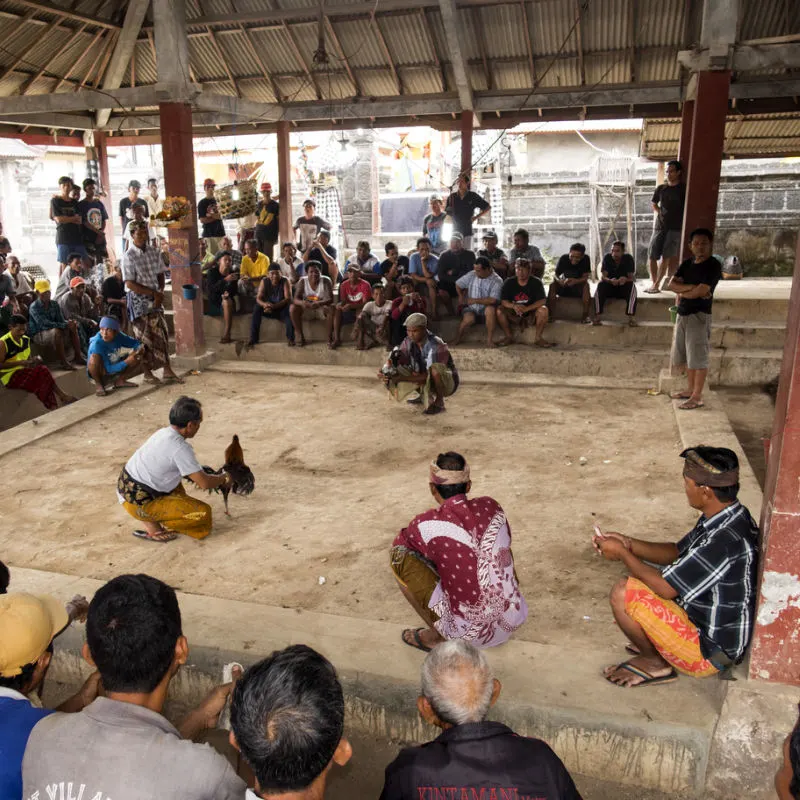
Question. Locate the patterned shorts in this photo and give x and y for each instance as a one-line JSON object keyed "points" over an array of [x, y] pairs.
{"points": [[669, 628]]}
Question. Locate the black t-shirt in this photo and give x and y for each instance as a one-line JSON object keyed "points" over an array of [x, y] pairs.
{"points": [[625, 267], [113, 288], [453, 265], [670, 201], [402, 266], [93, 212], [211, 230], [527, 295], [267, 225], [494, 258], [462, 209], [125, 204], [66, 232], [566, 269], [708, 272], [316, 255]]}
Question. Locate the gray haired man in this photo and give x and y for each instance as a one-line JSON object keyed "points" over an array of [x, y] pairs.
{"points": [[458, 689]]}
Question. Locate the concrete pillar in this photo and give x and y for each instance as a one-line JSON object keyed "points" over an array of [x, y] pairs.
{"points": [[101, 149], [466, 141], [179, 181], [685, 144], [705, 155], [775, 654], [285, 183]]}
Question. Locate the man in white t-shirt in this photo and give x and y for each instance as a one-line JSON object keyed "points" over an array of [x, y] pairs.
{"points": [[150, 487]]}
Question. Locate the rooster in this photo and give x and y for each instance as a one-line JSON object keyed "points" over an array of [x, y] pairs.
{"points": [[242, 479]]}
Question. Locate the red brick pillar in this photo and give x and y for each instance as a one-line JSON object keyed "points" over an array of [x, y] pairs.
{"points": [[775, 654], [179, 181], [101, 148], [285, 220], [685, 144], [466, 141], [705, 155]]}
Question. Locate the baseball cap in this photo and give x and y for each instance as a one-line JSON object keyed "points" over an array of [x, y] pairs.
{"points": [[416, 321], [209, 182], [490, 235], [42, 286], [77, 281], [457, 235], [28, 624], [266, 187]]}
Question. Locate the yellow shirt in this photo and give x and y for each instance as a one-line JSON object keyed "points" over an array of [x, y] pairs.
{"points": [[254, 269]]}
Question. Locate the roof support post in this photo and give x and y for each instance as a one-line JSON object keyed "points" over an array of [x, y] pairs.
{"points": [[685, 143], [171, 40], [466, 143], [285, 183], [454, 36]]}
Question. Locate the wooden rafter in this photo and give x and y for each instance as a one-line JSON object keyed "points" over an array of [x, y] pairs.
{"points": [[338, 45], [526, 18], [300, 60], [260, 61], [223, 60], [478, 25], [387, 54], [65, 13], [75, 64], [109, 37], [632, 40], [133, 66], [152, 44], [579, 40], [426, 28], [24, 54], [17, 27], [61, 50], [101, 71]]}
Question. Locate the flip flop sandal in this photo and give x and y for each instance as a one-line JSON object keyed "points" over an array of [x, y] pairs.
{"points": [[648, 679], [153, 381], [126, 385], [160, 538], [417, 644], [691, 405], [679, 396], [172, 379]]}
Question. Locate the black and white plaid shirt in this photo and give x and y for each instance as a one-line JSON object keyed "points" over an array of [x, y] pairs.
{"points": [[715, 578]]}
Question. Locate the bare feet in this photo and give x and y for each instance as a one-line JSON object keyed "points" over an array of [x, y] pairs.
{"points": [[543, 343], [152, 379], [682, 395], [490, 343], [67, 366], [100, 391], [505, 341], [122, 384], [597, 321]]}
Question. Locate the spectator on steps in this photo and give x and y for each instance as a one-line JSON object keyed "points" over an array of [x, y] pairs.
{"points": [[524, 249], [423, 269], [458, 689], [113, 355], [479, 293], [522, 303], [354, 294], [266, 230], [461, 206], [8, 300], [139, 217], [78, 308], [65, 213], [694, 283], [208, 213], [787, 779], [94, 215], [454, 564], [126, 205], [322, 251], [309, 226], [273, 301], [497, 258], [19, 370], [28, 626], [120, 746], [24, 293], [254, 267], [366, 262], [112, 292], [75, 269], [668, 203], [291, 265], [572, 280], [392, 268], [372, 325], [48, 328], [688, 606], [287, 719], [453, 263], [409, 302], [313, 298], [5, 245], [433, 223], [223, 295], [617, 279], [227, 247]]}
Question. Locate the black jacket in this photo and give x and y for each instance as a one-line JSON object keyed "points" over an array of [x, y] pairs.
{"points": [[479, 755]]}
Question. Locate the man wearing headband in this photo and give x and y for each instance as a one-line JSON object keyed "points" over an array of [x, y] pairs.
{"points": [[422, 366], [455, 567], [695, 613], [113, 355]]}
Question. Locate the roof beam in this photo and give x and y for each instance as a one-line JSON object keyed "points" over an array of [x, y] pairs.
{"points": [[745, 58], [529, 40], [53, 8], [70, 122], [386, 54], [300, 60], [454, 35], [487, 67], [426, 28], [579, 41], [19, 59], [338, 45], [260, 61], [64, 47], [236, 107], [76, 64], [224, 61]]}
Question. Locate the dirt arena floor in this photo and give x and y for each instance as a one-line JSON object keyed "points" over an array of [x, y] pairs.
{"points": [[340, 468]]}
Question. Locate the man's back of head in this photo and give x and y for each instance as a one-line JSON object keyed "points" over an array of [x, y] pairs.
{"points": [[132, 629], [457, 683], [287, 716]]}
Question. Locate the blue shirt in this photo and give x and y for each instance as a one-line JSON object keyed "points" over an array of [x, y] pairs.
{"points": [[114, 352], [44, 319], [415, 265], [17, 718]]}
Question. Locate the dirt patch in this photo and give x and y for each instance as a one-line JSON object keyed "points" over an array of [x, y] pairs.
{"points": [[340, 468]]}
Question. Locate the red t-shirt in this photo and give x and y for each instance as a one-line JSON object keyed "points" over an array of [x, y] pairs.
{"points": [[359, 294]]}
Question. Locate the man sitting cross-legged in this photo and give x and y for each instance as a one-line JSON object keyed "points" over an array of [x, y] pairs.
{"points": [[522, 302], [458, 689], [696, 613], [372, 324], [272, 301], [313, 298], [422, 270], [48, 328], [354, 294], [572, 280], [112, 354], [287, 720], [409, 302], [150, 485], [120, 746], [421, 365], [617, 279], [222, 281], [454, 564], [479, 294]]}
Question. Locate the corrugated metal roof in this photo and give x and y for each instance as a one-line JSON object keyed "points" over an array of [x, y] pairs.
{"points": [[408, 39]]}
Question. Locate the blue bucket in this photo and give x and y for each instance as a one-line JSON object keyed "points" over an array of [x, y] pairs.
{"points": [[190, 291]]}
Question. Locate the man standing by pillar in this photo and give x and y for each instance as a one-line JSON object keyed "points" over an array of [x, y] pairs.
{"points": [[268, 212], [208, 212], [668, 202]]}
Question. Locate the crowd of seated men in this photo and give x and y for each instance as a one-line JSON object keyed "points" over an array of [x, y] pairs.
{"points": [[488, 287]]}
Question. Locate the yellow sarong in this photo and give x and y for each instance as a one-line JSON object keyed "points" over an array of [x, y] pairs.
{"points": [[176, 512]]}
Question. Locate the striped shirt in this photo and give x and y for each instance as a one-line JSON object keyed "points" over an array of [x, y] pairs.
{"points": [[715, 578]]}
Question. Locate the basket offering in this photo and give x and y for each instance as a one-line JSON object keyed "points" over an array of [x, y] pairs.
{"points": [[236, 200], [174, 212]]}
